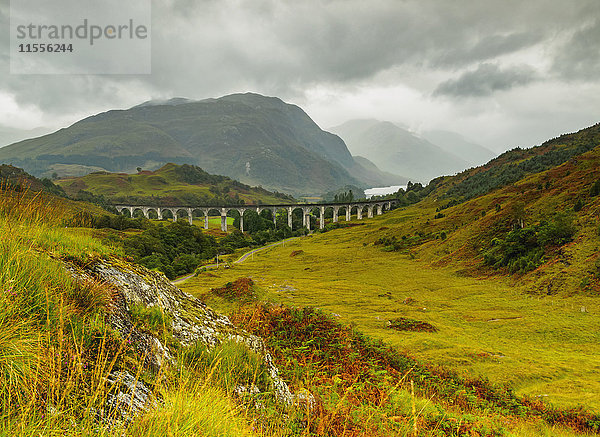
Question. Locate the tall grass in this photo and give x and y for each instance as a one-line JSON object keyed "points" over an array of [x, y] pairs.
{"points": [[197, 406], [57, 351], [46, 375]]}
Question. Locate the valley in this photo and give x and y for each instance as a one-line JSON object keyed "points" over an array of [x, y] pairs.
{"points": [[470, 307], [542, 346]]}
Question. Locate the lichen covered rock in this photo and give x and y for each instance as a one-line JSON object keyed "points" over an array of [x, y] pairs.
{"points": [[190, 321]]}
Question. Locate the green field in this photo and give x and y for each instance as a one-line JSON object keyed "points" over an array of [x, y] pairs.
{"points": [[544, 347]]}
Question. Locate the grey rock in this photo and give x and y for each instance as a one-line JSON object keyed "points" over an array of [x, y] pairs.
{"points": [[191, 321]]}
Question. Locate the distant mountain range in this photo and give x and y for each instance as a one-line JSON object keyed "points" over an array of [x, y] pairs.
{"points": [[255, 139], [396, 150]]}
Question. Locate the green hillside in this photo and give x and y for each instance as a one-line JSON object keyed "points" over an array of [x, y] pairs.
{"points": [[252, 138], [17, 179], [518, 163], [519, 214], [170, 185]]}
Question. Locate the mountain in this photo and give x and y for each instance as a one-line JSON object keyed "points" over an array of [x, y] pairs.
{"points": [[166, 102], [398, 151], [517, 164], [170, 185], [252, 138], [460, 146]]}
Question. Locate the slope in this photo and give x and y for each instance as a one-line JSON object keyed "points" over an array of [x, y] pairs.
{"points": [[370, 174], [10, 135], [451, 142], [518, 163], [17, 179], [70, 339]]}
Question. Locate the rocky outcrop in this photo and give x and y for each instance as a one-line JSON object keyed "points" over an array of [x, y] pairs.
{"points": [[190, 321]]}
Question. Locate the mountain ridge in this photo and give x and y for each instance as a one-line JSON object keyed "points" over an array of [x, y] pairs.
{"points": [[249, 137], [475, 154]]}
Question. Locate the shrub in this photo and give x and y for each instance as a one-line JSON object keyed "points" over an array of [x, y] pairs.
{"points": [[406, 324], [241, 289], [522, 250], [174, 249], [595, 189]]}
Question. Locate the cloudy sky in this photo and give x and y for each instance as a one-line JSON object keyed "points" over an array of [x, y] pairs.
{"points": [[503, 73]]}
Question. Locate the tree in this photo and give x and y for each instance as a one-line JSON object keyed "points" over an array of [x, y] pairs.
{"points": [[139, 169], [517, 214], [412, 197], [578, 205], [558, 231], [344, 197]]}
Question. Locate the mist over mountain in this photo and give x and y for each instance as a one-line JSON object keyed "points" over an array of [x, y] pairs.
{"points": [[255, 139], [9, 135], [396, 150], [475, 154], [368, 172]]}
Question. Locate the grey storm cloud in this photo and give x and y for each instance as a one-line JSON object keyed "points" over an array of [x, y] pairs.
{"points": [[291, 43], [209, 47], [439, 49], [485, 80], [579, 57], [488, 47]]}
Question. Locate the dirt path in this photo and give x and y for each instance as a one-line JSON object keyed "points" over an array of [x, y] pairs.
{"points": [[241, 259]]}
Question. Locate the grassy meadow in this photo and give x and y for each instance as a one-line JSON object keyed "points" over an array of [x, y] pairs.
{"points": [[543, 346], [480, 332]]}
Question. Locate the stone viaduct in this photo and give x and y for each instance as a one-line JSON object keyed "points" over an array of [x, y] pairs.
{"points": [[370, 207]]}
